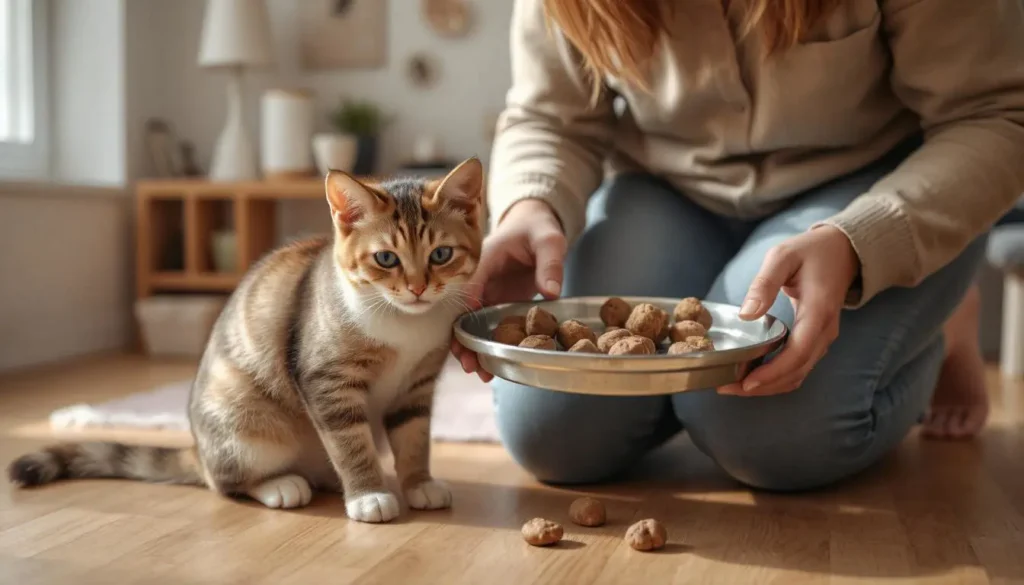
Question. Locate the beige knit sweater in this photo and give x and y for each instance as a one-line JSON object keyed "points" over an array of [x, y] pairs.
{"points": [[741, 136]]}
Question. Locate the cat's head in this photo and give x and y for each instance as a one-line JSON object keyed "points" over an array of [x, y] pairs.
{"points": [[410, 243]]}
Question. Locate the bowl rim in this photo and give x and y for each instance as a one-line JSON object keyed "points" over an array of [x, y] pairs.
{"points": [[563, 360]]}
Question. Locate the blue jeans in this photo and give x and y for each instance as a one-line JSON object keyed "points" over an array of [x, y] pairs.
{"points": [[862, 398]]}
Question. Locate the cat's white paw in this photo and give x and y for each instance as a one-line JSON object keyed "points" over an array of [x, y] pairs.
{"points": [[287, 491], [372, 507], [429, 495]]}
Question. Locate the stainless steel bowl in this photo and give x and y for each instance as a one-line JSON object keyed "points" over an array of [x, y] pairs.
{"points": [[739, 347]]}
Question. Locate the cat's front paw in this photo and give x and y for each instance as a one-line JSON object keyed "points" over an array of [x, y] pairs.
{"points": [[372, 507], [429, 495]]}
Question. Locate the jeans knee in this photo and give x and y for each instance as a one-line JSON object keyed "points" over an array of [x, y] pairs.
{"points": [[564, 438], [762, 444]]}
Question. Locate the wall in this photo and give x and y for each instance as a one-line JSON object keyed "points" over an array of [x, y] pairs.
{"points": [[65, 260], [87, 91], [459, 110]]}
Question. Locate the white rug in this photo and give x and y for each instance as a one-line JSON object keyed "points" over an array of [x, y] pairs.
{"points": [[463, 411]]}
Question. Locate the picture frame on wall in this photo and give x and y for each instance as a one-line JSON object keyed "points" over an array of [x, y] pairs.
{"points": [[343, 34]]}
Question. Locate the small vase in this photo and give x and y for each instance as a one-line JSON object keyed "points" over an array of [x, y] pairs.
{"points": [[335, 151], [366, 160]]}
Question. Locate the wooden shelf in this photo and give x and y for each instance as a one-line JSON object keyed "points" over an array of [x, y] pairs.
{"points": [[178, 220], [186, 282]]}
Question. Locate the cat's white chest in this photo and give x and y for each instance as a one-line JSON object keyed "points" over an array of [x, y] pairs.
{"points": [[411, 339]]}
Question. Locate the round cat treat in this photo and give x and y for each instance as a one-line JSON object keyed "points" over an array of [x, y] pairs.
{"points": [[509, 334], [615, 311], [700, 342], [608, 338], [541, 322], [683, 329], [587, 512], [571, 331], [539, 342], [665, 329], [646, 535], [691, 309], [646, 320], [633, 345], [691, 345], [517, 320], [541, 532], [584, 346]]}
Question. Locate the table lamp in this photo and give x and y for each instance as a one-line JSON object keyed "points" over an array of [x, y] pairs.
{"points": [[236, 35]]}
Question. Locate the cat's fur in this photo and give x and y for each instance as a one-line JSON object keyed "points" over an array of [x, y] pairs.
{"points": [[318, 352]]}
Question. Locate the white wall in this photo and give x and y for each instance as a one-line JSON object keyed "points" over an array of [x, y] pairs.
{"points": [[65, 262], [87, 91], [475, 73]]}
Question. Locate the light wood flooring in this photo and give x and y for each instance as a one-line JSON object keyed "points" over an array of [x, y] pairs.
{"points": [[930, 513]]}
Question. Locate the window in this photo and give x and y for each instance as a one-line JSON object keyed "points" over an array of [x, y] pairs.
{"points": [[23, 99]]}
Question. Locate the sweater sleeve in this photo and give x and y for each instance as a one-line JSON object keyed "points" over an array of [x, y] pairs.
{"points": [[551, 139], [960, 67]]}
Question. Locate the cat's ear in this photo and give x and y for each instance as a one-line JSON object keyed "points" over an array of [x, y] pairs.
{"points": [[350, 200], [462, 189]]}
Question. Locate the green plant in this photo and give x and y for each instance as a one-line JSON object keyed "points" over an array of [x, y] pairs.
{"points": [[360, 118]]}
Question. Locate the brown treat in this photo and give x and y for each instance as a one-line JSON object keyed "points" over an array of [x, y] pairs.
{"points": [[683, 329], [633, 345], [646, 535], [615, 311], [663, 334], [541, 532], [509, 334], [584, 346], [571, 331], [517, 320], [587, 512], [691, 309], [701, 343], [539, 342], [645, 320], [608, 339], [691, 345], [611, 328], [540, 322]]}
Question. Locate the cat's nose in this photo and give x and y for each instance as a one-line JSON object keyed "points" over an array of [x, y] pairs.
{"points": [[417, 289]]}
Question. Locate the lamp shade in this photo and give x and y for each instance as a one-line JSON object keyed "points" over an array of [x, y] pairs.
{"points": [[236, 33]]}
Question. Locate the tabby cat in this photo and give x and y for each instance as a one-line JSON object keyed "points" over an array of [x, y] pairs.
{"points": [[326, 347]]}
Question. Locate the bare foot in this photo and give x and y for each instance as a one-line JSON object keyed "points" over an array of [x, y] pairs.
{"points": [[959, 406]]}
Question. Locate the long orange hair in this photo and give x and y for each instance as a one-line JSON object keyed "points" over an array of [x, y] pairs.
{"points": [[619, 37]]}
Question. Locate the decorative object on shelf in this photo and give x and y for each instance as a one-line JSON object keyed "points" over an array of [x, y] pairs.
{"points": [[343, 34], [425, 149], [236, 35], [189, 166], [448, 18], [422, 70], [337, 151], [286, 122], [160, 144], [365, 121], [225, 251]]}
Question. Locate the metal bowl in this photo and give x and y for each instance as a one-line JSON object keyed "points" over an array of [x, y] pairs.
{"points": [[739, 347]]}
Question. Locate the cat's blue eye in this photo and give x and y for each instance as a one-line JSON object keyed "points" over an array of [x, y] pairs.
{"points": [[441, 255], [386, 259]]}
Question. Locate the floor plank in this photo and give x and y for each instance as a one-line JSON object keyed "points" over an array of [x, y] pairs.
{"points": [[931, 513]]}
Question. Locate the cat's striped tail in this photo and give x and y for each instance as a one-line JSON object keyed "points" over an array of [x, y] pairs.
{"points": [[105, 460]]}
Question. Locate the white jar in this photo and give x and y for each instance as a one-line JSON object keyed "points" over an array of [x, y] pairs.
{"points": [[286, 131]]}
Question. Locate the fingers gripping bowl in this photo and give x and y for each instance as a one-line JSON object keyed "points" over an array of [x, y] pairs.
{"points": [[738, 347]]}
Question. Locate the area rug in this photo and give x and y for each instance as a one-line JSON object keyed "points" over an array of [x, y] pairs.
{"points": [[463, 410]]}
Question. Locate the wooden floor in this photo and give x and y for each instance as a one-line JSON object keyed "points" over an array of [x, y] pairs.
{"points": [[931, 513]]}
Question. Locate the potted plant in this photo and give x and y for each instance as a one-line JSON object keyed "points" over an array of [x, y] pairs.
{"points": [[353, 145]]}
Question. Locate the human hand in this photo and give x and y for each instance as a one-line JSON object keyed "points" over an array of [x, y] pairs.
{"points": [[523, 256], [815, 270]]}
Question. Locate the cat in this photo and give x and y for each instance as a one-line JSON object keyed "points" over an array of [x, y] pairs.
{"points": [[326, 348]]}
